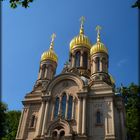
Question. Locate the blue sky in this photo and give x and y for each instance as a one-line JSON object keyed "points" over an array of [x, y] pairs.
{"points": [[26, 33]]}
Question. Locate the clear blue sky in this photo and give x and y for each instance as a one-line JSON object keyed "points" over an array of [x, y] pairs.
{"points": [[26, 34]]}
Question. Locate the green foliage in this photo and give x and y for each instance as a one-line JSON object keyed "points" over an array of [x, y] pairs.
{"points": [[23, 3], [131, 96], [3, 109], [12, 121], [9, 121], [137, 4]]}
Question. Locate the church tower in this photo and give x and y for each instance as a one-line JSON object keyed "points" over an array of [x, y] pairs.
{"points": [[80, 52], [77, 104], [99, 61]]}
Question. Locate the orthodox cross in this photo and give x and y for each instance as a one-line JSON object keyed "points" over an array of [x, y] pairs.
{"points": [[82, 19], [98, 28], [52, 41]]}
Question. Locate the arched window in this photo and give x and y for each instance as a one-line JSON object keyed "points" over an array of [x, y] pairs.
{"points": [[77, 59], [70, 107], [63, 105], [85, 60], [43, 71], [54, 134], [98, 63], [98, 117], [32, 124], [62, 133], [56, 107]]}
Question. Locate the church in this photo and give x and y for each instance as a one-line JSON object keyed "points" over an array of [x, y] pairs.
{"points": [[78, 104]]}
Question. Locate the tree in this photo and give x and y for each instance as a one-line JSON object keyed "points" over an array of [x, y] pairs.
{"points": [[136, 4], [23, 3], [131, 96], [12, 121], [3, 109]]}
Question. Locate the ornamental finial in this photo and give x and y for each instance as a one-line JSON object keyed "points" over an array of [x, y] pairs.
{"points": [[98, 28], [52, 41], [82, 20]]}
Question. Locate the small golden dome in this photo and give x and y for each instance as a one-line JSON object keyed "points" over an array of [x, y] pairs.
{"points": [[99, 46], [81, 39], [50, 54]]}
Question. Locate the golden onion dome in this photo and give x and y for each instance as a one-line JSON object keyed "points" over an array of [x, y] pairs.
{"points": [[50, 54], [99, 46], [81, 39]]}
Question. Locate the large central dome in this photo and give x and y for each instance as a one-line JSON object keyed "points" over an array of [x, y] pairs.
{"points": [[80, 40]]}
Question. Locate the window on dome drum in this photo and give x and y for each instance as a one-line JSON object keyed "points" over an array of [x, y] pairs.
{"points": [[85, 60], [98, 117], [70, 107], [32, 124], [56, 107], [63, 105], [98, 63], [43, 71], [77, 59]]}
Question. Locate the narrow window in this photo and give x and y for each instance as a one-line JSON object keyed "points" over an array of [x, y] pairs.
{"points": [[43, 72], [77, 59], [63, 105], [62, 133], [54, 134], [98, 117], [56, 107], [98, 64], [32, 124], [70, 107], [85, 60]]}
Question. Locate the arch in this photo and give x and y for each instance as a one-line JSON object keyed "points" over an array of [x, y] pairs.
{"points": [[75, 78], [85, 59], [77, 59], [58, 126]]}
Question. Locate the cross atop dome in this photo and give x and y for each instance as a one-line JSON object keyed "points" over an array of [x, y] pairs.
{"points": [[53, 36], [98, 28], [82, 20]]}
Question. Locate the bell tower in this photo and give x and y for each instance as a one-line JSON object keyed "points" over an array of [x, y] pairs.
{"points": [[80, 52]]}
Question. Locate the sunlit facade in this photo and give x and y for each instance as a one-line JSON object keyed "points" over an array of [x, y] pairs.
{"points": [[77, 104]]}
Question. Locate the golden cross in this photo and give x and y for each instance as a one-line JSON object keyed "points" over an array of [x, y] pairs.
{"points": [[98, 28], [82, 19], [53, 37]]}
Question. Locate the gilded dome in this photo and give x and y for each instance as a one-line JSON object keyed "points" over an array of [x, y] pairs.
{"points": [[99, 46], [81, 39], [50, 54]]}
